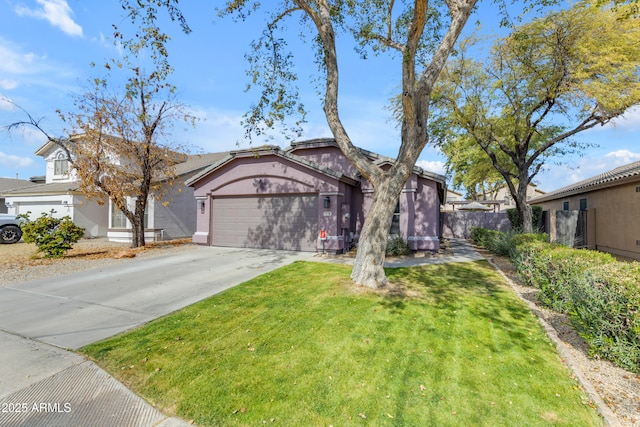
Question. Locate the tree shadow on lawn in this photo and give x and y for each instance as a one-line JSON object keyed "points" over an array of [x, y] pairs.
{"points": [[454, 287]]}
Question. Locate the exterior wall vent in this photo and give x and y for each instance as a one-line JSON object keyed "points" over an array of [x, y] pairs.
{"points": [[638, 189], [637, 242]]}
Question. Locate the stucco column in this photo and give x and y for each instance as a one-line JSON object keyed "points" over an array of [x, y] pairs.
{"points": [[203, 220], [328, 220]]}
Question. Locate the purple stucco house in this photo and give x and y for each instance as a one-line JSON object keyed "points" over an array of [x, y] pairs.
{"points": [[276, 198]]}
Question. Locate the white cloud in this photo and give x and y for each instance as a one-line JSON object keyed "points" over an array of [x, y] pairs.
{"points": [[26, 136], [622, 157], [556, 177], [217, 131], [20, 69], [56, 12], [16, 62], [435, 166], [628, 122], [11, 160], [8, 84]]}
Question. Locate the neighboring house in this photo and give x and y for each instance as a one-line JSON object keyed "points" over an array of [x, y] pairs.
{"points": [[503, 195], [289, 198], [608, 203], [499, 201], [451, 197], [8, 184], [173, 217]]}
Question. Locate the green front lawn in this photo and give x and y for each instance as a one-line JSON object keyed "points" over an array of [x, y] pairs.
{"points": [[448, 345]]}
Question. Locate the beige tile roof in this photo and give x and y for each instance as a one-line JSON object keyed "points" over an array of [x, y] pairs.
{"points": [[606, 179]]}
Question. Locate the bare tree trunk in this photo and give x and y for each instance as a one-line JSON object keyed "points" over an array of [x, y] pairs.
{"points": [[137, 231], [137, 225], [523, 207], [368, 268]]}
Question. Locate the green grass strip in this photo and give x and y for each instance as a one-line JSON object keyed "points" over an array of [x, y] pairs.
{"points": [[448, 345]]}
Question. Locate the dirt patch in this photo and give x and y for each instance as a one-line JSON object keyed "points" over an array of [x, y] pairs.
{"points": [[390, 290], [20, 262]]}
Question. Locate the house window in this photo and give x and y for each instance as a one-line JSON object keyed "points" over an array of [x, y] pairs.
{"points": [[583, 204], [395, 221], [61, 165], [118, 220], [146, 217], [566, 206]]}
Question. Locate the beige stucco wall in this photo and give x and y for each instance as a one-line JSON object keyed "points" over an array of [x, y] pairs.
{"points": [[504, 195], [617, 217]]}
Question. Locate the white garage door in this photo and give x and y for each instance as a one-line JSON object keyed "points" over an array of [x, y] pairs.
{"points": [[273, 222], [38, 208]]}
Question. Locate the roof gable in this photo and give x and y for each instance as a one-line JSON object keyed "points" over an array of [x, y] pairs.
{"points": [[375, 158], [271, 151]]}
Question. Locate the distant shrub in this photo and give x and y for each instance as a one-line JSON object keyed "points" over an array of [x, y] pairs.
{"points": [[600, 295], [397, 246], [474, 234], [500, 242], [479, 236], [522, 238], [53, 236]]}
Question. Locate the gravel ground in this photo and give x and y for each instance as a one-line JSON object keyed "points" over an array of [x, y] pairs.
{"points": [[20, 262], [618, 388]]}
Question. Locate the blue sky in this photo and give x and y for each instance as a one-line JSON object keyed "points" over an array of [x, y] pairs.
{"points": [[46, 47]]}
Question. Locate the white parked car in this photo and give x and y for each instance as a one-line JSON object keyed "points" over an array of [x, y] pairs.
{"points": [[10, 228]]}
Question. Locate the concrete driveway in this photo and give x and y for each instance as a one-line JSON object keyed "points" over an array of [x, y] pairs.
{"points": [[80, 308]]}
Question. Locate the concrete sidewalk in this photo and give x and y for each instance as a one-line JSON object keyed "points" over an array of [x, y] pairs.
{"points": [[462, 252], [42, 384], [48, 386]]}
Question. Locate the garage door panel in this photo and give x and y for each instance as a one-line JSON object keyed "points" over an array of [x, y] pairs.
{"points": [[276, 222]]}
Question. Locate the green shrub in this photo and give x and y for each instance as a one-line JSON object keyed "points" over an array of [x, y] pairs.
{"points": [[522, 238], [53, 236], [500, 242], [479, 236], [554, 269], [605, 312], [601, 296], [397, 246]]}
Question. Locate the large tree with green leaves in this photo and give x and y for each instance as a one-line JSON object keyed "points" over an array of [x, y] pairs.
{"points": [[470, 169], [419, 32], [549, 80], [419, 36]]}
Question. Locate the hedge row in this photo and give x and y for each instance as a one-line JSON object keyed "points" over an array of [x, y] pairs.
{"points": [[600, 295]]}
